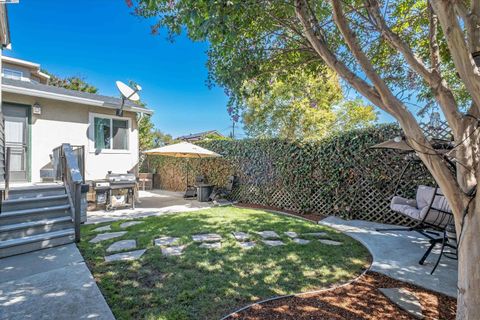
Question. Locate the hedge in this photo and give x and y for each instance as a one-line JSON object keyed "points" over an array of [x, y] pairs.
{"points": [[339, 175]]}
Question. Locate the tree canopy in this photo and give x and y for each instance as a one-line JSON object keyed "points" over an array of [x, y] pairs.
{"points": [[302, 105], [257, 40], [73, 83]]}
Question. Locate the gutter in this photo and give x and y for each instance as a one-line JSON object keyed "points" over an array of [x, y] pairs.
{"points": [[68, 98]]}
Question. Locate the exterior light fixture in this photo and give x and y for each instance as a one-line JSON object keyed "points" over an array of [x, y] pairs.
{"points": [[36, 108]]}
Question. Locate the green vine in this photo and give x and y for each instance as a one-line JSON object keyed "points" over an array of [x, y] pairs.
{"points": [[304, 176]]}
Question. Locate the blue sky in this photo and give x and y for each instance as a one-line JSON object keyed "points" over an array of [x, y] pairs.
{"points": [[101, 41]]}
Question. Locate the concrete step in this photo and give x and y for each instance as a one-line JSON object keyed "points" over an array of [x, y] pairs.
{"points": [[36, 242], [33, 214], [29, 203], [30, 228], [36, 191]]}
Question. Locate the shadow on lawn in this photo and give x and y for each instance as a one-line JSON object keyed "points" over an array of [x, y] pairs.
{"points": [[207, 284]]}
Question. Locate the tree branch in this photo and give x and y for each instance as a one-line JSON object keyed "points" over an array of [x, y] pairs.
{"points": [[433, 77], [321, 48], [472, 25], [433, 39], [409, 124], [461, 56]]}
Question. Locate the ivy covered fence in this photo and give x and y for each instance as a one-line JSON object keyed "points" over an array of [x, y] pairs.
{"points": [[339, 175]]}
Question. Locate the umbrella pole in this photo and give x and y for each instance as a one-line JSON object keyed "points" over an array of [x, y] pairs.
{"points": [[186, 171]]}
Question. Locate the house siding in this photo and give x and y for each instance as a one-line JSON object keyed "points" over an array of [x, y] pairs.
{"points": [[65, 122], [27, 73]]}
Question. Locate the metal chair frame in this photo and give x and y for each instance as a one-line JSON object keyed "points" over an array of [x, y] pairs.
{"points": [[439, 225]]}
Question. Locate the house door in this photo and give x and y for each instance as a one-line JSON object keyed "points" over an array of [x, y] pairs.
{"points": [[16, 137]]}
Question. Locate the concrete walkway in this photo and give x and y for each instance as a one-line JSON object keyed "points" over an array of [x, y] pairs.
{"points": [[50, 284], [396, 254], [152, 203]]}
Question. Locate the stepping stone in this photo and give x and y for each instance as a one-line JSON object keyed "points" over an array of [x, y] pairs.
{"points": [[122, 245], [241, 236], [330, 242], [405, 300], [173, 250], [301, 241], [104, 228], [107, 236], [315, 234], [125, 256], [165, 241], [291, 234], [206, 237], [273, 243], [268, 234], [247, 245], [211, 245], [129, 224]]}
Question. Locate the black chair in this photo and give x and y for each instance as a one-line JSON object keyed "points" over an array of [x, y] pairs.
{"points": [[433, 216], [221, 193]]}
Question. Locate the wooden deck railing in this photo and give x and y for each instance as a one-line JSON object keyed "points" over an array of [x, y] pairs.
{"points": [[69, 166]]}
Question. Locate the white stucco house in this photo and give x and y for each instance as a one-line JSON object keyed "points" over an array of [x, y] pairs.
{"points": [[39, 117]]}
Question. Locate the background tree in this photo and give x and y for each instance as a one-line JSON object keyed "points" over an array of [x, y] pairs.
{"points": [[146, 133], [302, 105], [73, 83], [391, 52], [161, 139], [149, 138]]}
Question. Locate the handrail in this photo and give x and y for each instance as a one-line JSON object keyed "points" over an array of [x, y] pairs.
{"points": [[66, 164], [8, 152]]}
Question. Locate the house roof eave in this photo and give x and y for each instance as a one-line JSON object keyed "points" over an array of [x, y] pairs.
{"points": [[69, 98]]}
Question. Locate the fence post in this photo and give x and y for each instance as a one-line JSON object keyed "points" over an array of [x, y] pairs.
{"points": [[78, 208]]}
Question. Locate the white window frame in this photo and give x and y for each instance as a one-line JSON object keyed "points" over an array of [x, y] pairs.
{"points": [[19, 77], [91, 133]]}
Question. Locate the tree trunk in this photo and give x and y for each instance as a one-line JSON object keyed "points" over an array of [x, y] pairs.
{"points": [[468, 301]]}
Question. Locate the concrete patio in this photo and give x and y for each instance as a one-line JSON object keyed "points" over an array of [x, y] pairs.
{"points": [[50, 284], [396, 254], [151, 203]]}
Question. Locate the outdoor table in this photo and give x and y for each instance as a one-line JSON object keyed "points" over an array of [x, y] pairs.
{"points": [[203, 191]]}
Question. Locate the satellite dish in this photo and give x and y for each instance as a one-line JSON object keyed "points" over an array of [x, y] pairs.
{"points": [[127, 93]]}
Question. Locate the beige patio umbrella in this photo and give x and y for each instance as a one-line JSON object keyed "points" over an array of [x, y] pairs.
{"points": [[183, 150]]}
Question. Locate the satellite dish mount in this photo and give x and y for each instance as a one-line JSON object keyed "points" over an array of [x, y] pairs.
{"points": [[127, 93]]}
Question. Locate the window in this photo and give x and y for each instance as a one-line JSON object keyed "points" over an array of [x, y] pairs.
{"points": [[12, 74], [110, 133]]}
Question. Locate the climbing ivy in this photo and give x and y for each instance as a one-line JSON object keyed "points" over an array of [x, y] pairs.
{"points": [[304, 176]]}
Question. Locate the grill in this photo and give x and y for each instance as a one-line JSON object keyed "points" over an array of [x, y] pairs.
{"points": [[121, 179], [117, 190]]}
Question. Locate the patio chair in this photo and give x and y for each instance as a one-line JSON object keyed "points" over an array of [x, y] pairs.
{"points": [[432, 214], [191, 191], [220, 194]]}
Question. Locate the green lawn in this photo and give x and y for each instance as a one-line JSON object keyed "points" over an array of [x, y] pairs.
{"points": [[207, 284]]}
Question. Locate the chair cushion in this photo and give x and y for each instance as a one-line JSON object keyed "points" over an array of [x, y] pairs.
{"points": [[436, 217], [407, 210], [424, 196], [402, 200]]}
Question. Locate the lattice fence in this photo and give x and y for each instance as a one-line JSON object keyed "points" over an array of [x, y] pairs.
{"points": [[339, 176]]}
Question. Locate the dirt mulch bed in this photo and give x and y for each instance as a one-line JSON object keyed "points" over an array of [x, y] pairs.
{"points": [[315, 217], [359, 300]]}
